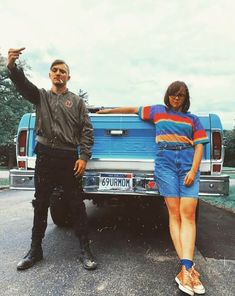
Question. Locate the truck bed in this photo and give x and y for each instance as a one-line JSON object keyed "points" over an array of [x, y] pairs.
{"points": [[123, 157]]}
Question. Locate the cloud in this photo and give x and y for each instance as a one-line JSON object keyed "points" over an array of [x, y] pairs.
{"points": [[128, 52]]}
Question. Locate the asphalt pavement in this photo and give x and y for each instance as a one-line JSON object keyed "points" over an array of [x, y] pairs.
{"points": [[132, 246], [216, 232]]}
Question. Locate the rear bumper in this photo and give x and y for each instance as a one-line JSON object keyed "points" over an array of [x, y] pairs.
{"points": [[21, 179], [214, 185], [143, 184]]}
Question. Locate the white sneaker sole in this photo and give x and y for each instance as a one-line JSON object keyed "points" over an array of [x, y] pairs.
{"points": [[199, 291], [184, 289], [195, 290]]}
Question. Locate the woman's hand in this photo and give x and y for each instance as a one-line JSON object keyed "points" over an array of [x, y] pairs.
{"points": [[189, 178], [191, 175]]}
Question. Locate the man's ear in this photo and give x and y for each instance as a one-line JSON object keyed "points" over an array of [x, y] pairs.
{"points": [[69, 77]]}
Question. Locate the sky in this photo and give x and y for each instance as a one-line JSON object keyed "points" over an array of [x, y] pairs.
{"points": [[126, 53]]}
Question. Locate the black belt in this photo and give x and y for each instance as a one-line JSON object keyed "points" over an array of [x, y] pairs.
{"points": [[177, 147], [54, 152]]}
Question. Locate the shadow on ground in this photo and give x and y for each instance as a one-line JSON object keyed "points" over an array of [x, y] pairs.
{"points": [[216, 232]]}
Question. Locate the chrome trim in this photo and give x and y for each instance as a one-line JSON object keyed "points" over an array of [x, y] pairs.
{"points": [[31, 162], [22, 188], [131, 164], [112, 114], [121, 165]]}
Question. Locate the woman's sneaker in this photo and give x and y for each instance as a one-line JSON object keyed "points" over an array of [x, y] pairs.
{"points": [[184, 280], [197, 284]]}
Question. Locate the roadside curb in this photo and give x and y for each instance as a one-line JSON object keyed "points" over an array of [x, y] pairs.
{"points": [[4, 187], [4, 179]]}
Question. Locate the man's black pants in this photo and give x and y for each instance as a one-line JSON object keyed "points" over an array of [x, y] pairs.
{"points": [[54, 167]]}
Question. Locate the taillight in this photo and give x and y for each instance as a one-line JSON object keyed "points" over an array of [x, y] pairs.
{"points": [[216, 168], [21, 164], [22, 143], [216, 145]]}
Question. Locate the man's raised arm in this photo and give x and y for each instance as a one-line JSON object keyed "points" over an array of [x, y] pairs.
{"points": [[26, 88]]}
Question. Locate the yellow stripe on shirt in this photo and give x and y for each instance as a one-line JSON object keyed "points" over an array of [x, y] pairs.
{"points": [[173, 138]]}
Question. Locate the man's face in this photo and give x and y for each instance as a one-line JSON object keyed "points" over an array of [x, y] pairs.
{"points": [[59, 75]]}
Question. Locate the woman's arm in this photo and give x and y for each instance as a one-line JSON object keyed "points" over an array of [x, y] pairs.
{"points": [[190, 177], [121, 110]]}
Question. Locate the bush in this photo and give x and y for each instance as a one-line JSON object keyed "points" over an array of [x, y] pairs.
{"points": [[8, 156]]}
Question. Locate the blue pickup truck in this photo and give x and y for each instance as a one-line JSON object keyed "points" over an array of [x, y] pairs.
{"points": [[122, 160]]}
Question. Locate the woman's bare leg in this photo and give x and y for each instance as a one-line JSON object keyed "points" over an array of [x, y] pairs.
{"points": [[173, 206], [188, 226]]}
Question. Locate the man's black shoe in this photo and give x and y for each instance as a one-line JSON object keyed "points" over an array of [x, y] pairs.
{"points": [[87, 259], [34, 255]]}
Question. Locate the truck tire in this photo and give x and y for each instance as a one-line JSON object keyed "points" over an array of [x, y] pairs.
{"points": [[59, 209]]}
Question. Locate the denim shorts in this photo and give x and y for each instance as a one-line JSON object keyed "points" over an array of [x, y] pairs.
{"points": [[171, 167]]}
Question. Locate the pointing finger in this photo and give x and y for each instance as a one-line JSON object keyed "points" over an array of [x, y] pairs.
{"points": [[15, 50]]}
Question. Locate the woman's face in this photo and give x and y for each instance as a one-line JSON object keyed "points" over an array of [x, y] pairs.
{"points": [[177, 100]]}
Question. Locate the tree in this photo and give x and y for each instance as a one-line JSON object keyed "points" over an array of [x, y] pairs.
{"points": [[12, 107], [84, 95], [229, 159]]}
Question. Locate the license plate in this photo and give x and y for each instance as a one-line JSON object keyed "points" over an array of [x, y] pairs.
{"points": [[116, 181]]}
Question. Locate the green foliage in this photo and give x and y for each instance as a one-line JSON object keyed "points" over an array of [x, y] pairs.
{"points": [[12, 106], [229, 159], [4, 182], [84, 95]]}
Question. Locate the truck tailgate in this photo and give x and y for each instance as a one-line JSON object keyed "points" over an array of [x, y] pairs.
{"points": [[123, 137]]}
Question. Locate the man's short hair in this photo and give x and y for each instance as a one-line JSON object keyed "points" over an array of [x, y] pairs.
{"points": [[58, 62]]}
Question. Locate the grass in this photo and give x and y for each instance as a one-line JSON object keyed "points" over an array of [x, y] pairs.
{"points": [[226, 202], [4, 182]]}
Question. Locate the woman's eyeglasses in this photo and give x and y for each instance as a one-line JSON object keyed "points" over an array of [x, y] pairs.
{"points": [[180, 96]]}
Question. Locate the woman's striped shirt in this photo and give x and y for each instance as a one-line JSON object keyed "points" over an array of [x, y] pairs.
{"points": [[174, 128]]}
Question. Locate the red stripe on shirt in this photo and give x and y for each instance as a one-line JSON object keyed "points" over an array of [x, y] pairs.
{"points": [[146, 112], [172, 117], [201, 134]]}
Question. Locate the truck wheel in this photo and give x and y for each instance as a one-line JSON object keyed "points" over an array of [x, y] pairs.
{"points": [[59, 209]]}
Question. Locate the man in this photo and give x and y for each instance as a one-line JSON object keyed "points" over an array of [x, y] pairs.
{"points": [[62, 123]]}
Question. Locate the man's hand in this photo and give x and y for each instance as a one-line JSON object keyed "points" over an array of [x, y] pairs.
{"points": [[13, 55], [79, 167]]}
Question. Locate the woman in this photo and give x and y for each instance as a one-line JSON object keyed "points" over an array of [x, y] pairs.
{"points": [[180, 138]]}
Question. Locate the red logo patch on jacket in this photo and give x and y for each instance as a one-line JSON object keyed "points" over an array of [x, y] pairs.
{"points": [[68, 104]]}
